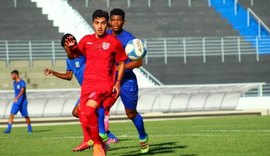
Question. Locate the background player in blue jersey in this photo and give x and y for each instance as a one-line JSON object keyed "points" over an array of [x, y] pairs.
{"points": [[75, 65], [20, 101], [129, 85]]}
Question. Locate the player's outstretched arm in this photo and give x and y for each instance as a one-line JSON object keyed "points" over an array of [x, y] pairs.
{"points": [[66, 76], [121, 71], [134, 64]]}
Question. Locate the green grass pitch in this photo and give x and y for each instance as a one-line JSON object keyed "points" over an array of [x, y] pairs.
{"points": [[217, 136]]}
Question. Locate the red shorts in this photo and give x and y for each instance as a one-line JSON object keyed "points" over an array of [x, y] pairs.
{"points": [[109, 102], [103, 95]]}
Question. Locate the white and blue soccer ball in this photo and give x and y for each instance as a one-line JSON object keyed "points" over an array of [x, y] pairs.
{"points": [[135, 49]]}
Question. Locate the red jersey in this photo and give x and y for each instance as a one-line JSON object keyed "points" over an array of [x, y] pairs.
{"points": [[101, 56]]}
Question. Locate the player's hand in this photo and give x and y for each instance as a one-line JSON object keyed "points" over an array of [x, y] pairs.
{"points": [[15, 100], [116, 89], [70, 42], [48, 72]]}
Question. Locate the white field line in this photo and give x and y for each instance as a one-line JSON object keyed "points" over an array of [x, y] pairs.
{"points": [[238, 131], [124, 136], [111, 121], [192, 134], [42, 124]]}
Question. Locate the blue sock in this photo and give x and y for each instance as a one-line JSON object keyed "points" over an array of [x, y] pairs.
{"points": [[111, 135], [29, 128], [101, 115], [138, 122], [9, 127], [8, 130]]}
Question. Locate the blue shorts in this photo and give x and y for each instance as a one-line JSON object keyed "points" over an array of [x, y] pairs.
{"points": [[22, 107], [129, 91]]}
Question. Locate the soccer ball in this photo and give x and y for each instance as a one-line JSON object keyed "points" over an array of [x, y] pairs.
{"points": [[135, 49]]}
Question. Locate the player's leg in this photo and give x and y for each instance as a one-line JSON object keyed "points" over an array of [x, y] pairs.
{"points": [[10, 122], [137, 120], [107, 104], [87, 142], [92, 116], [101, 124], [112, 139], [28, 122], [14, 110], [24, 113], [104, 120], [130, 102]]}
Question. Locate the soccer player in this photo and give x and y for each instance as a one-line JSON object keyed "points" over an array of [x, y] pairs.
{"points": [[129, 85], [19, 103], [102, 51], [75, 65]]}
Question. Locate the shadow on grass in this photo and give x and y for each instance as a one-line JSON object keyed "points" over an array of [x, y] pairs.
{"points": [[42, 131], [124, 140], [160, 148]]}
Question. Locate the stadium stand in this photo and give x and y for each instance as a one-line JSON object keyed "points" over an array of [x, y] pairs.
{"points": [[159, 20], [260, 7], [145, 21], [24, 22], [34, 75], [214, 71]]}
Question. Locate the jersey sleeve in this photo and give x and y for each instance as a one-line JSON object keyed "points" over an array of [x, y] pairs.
{"points": [[68, 66], [23, 84], [128, 38], [120, 52], [131, 36], [81, 46]]}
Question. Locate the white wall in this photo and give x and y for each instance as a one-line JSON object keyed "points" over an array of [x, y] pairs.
{"points": [[254, 103]]}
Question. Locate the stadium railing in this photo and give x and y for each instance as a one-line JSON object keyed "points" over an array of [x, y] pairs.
{"points": [[250, 13], [263, 90], [164, 48], [164, 99], [149, 2], [151, 77]]}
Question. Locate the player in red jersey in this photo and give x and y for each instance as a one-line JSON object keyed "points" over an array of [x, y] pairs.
{"points": [[102, 51]]}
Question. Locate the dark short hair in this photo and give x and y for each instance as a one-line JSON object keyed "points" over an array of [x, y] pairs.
{"points": [[64, 37], [119, 12], [100, 13], [15, 72]]}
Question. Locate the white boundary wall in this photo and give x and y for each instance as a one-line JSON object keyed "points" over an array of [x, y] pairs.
{"points": [[254, 103], [166, 99]]}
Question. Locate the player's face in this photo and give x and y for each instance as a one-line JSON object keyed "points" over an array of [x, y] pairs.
{"points": [[100, 25], [14, 76], [117, 23]]}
